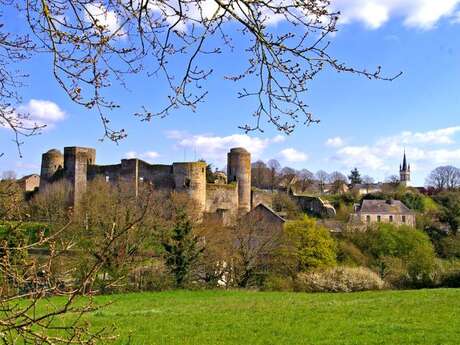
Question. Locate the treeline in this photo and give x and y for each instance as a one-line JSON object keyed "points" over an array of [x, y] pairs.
{"points": [[158, 240]]}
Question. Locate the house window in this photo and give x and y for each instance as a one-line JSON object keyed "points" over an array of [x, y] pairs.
{"points": [[368, 219], [379, 219], [391, 219], [403, 219]]}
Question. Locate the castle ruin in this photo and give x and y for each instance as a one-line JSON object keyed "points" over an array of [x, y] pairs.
{"points": [[78, 166]]}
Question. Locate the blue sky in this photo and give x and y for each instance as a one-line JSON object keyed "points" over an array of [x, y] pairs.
{"points": [[364, 123]]}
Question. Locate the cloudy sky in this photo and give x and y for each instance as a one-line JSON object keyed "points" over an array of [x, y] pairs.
{"points": [[364, 124]]}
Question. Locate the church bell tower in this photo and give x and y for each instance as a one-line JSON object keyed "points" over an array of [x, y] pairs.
{"points": [[404, 171]]}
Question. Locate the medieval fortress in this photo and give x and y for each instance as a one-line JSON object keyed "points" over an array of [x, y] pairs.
{"points": [[227, 198]]}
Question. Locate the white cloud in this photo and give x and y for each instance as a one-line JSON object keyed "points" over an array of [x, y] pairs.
{"points": [[215, 148], [145, 155], [335, 142], [415, 13], [426, 149], [107, 19], [41, 113], [293, 156], [440, 136]]}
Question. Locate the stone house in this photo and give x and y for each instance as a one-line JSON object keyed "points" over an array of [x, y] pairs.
{"points": [[29, 183], [383, 211]]}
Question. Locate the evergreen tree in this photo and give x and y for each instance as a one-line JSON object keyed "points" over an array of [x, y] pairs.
{"points": [[181, 250], [355, 176]]}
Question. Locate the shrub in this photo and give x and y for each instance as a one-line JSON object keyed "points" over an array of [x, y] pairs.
{"points": [[278, 283], [350, 255], [309, 245], [412, 246], [450, 246], [154, 277], [339, 279]]}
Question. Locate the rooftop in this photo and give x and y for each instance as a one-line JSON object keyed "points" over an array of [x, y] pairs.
{"points": [[384, 207]]}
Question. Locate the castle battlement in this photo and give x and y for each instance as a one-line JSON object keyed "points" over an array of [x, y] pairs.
{"points": [[78, 166]]}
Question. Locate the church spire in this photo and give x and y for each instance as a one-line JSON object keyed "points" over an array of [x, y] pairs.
{"points": [[404, 165], [404, 171]]}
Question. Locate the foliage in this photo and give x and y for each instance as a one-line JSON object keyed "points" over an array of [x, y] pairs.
{"points": [[283, 202], [450, 246], [253, 247], [339, 279], [444, 178], [355, 176], [308, 245], [386, 240], [348, 254], [450, 208], [181, 248]]}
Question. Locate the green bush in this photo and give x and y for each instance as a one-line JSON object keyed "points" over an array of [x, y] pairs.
{"points": [[450, 247], [413, 247], [278, 283], [309, 245], [349, 254], [339, 279], [31, 231]]}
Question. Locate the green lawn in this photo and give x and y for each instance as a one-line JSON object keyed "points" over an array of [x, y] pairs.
{"points": [[245, 317]]}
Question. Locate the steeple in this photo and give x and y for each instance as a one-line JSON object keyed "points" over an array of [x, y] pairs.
{"points": [[404, 171], [404, 165]]}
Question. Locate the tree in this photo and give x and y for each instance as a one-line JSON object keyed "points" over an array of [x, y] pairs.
{"points": [[309, 245], [260, 174], [367, 180], [322, 178], [25, 316], [450, 208], [254, 243], [444, 177], [355, 177], [181, 248], [9, 175], [96, 44], [337, 176], [390, 246], [275, 168]]}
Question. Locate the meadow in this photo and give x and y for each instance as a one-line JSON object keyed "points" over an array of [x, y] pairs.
{"points": [[248, 317]]}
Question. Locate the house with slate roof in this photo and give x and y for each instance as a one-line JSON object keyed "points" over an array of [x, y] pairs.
{"points": [[384, 211]]}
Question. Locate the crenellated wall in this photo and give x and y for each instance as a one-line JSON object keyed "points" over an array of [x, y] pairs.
{"points": [[228, 200]]}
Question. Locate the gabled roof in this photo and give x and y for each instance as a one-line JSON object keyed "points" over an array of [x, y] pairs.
{"points": [[384, 207], [267, 209], [28, 176]]}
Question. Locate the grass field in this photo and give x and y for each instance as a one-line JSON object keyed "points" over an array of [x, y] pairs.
{"points": [[244, 317]]}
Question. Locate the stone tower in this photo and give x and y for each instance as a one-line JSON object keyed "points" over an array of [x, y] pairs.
{"points": [[239, 171], [76, 161], [190, 177], [404, 172], [52, 161]]}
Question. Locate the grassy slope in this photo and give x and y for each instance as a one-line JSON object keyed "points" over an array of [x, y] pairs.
{"points": [[239, 317]]}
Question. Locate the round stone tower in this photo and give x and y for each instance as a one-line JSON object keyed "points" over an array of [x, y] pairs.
{"points": [[52, 161], [239, 171], [190, 177]]}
